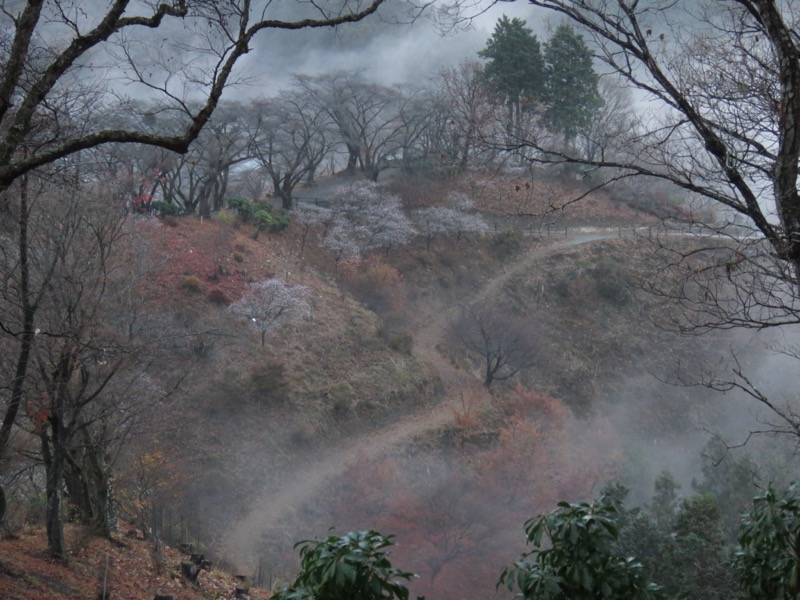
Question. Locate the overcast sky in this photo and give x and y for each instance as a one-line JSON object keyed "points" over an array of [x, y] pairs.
{"points": [[383, 52]]}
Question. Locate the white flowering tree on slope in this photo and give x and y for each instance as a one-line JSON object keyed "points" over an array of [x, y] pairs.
{"points": [[456, 215], [363, 217], [271, 303]]}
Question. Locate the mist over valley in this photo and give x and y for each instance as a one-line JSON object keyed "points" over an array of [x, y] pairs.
{"points": [[387, 299]]}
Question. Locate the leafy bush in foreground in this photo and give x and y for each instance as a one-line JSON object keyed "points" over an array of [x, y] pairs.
{"points": [[353, 566]]}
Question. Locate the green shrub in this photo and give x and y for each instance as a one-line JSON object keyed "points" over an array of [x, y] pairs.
{"points": [[165, 209], [353, 566], [263, 221], [272, 219], [243, 207], [767, 559], [282, 220], [225, 217], [268, 219], [575, 555]]}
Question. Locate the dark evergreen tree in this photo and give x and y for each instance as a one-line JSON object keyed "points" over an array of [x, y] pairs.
{"points": [[665, 500], [515, 67], [733, 480], [698, 559], [571, 96], [680, 544]]}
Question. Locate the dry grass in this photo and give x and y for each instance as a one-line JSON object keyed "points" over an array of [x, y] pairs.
{"points": [[123, 566]]}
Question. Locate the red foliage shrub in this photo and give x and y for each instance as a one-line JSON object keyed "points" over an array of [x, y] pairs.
{"points": [[378, 285]]}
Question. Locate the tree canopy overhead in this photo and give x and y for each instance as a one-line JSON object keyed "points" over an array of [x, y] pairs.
{"points": [[140, 46], [719, 117]]}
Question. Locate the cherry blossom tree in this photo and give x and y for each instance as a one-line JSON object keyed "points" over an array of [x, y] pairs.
{"points": [[309, 216], [455, 216], [271, 303], [365, 218]]}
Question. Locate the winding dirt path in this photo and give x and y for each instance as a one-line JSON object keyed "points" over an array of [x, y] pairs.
{"points": [[312, 479]]}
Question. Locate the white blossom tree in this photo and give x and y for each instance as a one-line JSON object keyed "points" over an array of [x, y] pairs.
{"points": [[271, 303], [457, 216], [309, 216], [365, 218]]}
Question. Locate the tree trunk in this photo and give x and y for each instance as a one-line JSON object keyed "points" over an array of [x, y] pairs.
{"points": [[88, 483], [352, 159], [312, 172], [104, 518], [54, 467], [26, 338], [221, 189], [77, 486]]}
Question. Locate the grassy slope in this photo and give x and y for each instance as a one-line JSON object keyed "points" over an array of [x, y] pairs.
{"points": [[349, 371]]}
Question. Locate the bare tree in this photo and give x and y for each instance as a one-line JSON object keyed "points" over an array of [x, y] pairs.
{"points": [[505, 343], [84, 396], [471, 113], [451, 522], [221, 146], [271, 303], [134, 43], [365, 114], [615, 117], [289, 139]]}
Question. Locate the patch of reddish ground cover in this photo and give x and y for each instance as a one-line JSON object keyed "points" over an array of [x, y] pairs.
{"points": [[123, 567], [193, 256]]}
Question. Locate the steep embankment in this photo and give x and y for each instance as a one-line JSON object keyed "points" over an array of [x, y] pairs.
{"points": [[430, 326]]}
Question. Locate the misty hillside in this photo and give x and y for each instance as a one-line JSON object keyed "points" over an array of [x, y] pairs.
{"points": [[365, 299], [372, 411]]}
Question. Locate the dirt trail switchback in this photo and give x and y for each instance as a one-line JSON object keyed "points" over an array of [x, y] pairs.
{"points": [[312, 478]]}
